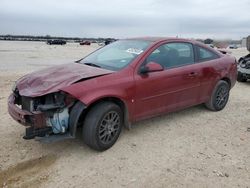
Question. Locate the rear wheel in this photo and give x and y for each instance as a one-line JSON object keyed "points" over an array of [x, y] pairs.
{"points": [[241, 77], [219, 97], [102, 126]]}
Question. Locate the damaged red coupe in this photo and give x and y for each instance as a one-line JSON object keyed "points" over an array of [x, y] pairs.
{"points": [[121, 83]]}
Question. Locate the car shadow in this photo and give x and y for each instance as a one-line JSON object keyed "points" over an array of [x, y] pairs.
{"points": [[245, 83], [138, 129], [191, 111]]}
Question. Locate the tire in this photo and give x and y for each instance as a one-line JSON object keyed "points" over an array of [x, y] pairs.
{"points": [[99, 131], [241, 78], [219, 97]]}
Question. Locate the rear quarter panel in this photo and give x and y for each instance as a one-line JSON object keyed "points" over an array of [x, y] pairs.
{"points": [[229, 64], [227, 68], [212, 71]]}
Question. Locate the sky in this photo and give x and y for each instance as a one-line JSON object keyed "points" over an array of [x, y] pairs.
{"points": [[217, 19]]}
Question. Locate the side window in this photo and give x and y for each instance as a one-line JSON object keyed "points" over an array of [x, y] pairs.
{"points": [[205, 55], [172, 55]]}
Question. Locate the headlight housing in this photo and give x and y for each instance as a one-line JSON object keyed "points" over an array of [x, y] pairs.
{"points": [[247, 64], [242, 65]]}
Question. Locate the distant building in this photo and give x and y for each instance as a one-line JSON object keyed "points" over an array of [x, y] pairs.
{"points": [[244, 42]]}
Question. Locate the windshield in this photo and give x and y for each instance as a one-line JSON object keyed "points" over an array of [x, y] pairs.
{"points": [[117, 55]]}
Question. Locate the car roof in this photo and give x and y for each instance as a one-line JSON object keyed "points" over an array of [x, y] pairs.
{"points": [[159, 39], [165, 39]]}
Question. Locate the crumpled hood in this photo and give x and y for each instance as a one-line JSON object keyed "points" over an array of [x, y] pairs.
{"points": [[52, 79]]}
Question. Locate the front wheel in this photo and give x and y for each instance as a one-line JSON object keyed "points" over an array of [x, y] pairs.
{"points": [[102, 126], [219, 97]]}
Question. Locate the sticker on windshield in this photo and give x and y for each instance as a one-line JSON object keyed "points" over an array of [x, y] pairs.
{"points": [[134, 51]]}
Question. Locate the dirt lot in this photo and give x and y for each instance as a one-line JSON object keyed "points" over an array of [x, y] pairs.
{"points": [[191, 148]]}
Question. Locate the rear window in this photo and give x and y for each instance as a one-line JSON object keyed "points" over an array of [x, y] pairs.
{"points": [[205, 54]]}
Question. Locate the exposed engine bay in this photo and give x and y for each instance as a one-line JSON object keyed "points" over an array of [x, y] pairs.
{"points": [[53, 107], [59, 121]]}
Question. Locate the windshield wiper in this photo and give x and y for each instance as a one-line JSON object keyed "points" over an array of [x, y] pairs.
{"points": [[92, 64]]}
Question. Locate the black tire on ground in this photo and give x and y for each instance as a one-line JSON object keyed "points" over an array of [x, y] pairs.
{"points": [[241, 77], [219, 97], [102, 126]]}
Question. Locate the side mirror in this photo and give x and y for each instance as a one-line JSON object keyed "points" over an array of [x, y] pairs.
{"points": [[151, 67]]}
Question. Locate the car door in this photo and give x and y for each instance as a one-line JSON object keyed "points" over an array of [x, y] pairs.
{"points": [[173, 88]]}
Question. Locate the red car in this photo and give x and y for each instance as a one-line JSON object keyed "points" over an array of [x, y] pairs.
{"points": [[85, 42], [123, 82]]}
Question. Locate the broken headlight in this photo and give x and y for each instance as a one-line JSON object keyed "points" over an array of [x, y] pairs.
{"points": [[245, 64]]}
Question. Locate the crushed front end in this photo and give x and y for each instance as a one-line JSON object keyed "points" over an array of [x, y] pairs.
{"points": [[244, 68], [43, 115]]}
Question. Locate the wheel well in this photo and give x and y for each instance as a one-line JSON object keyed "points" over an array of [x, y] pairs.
{"points": [[115, 100], [227, 80]]}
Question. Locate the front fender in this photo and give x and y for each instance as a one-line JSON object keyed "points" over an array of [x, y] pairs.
{"points": [[90, 97], [119, 85]]}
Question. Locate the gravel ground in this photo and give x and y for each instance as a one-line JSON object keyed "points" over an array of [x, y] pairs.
{"points": [[190, 148]]}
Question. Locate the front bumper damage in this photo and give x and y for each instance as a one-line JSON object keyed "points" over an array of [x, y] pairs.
{"points": [[244, 71], [244, 66], [43, 123], [35, 122]]}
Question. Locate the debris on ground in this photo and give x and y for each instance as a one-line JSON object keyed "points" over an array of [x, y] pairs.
{"points": [[220, 174]]}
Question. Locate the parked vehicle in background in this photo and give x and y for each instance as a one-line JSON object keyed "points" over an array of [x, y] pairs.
{"points": [[56, 42], [121, 83], [108, 41], [244, 65], [86, 42], [232, 46], [101, 43]]}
